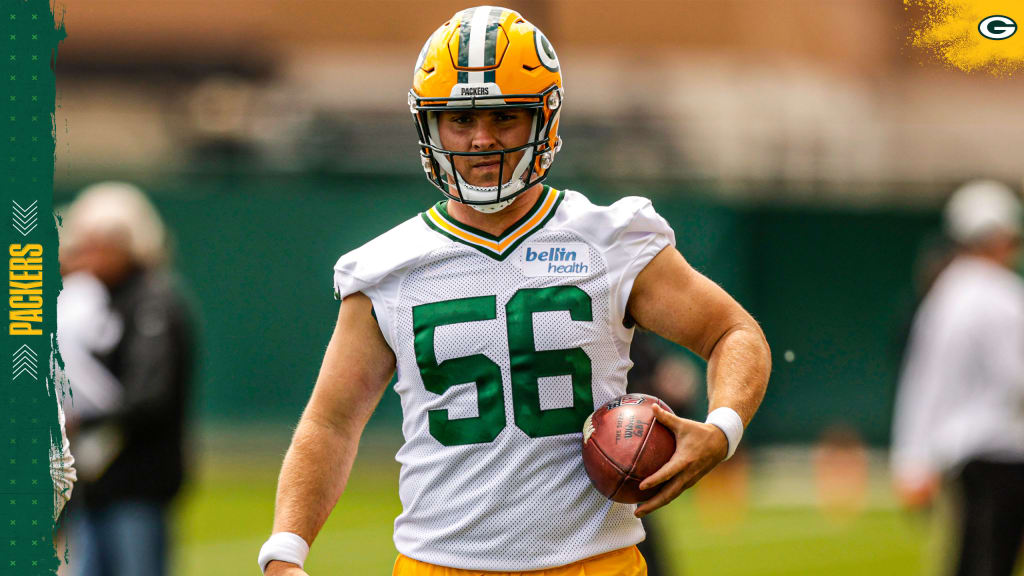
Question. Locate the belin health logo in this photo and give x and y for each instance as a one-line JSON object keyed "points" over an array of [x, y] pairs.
{"points": [[997, 27], [562, 259]]}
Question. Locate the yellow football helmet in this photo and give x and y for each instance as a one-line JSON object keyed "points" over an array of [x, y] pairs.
{"points": [[487, 57]]}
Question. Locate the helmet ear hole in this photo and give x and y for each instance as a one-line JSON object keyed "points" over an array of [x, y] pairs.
{"points": [[554, 100]]}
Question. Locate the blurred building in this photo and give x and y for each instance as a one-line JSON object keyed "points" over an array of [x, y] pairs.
{"points": [[826, 98]]}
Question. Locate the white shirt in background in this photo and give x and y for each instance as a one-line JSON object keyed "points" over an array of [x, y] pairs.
{"points": [[961, 392]]}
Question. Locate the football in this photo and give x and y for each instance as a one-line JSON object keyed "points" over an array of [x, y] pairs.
{"points": [[623, 444]]}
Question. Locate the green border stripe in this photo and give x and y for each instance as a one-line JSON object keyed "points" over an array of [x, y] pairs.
{"points": [[28, 420]]}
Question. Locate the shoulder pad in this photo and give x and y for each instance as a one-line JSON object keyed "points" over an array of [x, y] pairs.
{"points": [[606, 224], [390, 252]]}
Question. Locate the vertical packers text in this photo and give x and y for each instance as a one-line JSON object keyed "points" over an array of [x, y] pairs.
{"points": [[25, 297]]}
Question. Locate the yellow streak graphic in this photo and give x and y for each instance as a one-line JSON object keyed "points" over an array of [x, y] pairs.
{"points": [[949, 31]]}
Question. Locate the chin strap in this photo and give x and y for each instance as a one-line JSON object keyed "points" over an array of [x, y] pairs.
{"points": [[492, 208]]}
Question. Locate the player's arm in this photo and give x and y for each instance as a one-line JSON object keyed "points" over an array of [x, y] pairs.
{"points": [[355, 372], [676, 302]]}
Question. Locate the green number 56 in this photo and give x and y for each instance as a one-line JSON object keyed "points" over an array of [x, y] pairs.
{"points": [[528, 365]]}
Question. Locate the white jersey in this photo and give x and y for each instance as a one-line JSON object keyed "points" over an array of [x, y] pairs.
{"points": [[505, 344]]}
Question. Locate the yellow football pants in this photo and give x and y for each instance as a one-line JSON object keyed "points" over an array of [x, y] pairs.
{"points": [[624, 562]]}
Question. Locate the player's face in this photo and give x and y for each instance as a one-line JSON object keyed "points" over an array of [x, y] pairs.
{"points": [[483, 130]]}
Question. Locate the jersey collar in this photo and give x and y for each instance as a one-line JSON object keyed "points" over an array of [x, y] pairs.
{"points": [[497, 247]]}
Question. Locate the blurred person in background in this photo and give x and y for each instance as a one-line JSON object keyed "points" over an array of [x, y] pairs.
{"points": [[125, 335], [959, 421]]}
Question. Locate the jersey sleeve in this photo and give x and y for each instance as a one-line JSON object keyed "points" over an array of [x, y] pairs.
{"points": [[360, 271], [366, 267], [640, 234], [353, 274], [376, 267]]}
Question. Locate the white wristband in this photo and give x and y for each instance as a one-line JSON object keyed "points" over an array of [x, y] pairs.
{"points": [[284, 546], [729, 422]]}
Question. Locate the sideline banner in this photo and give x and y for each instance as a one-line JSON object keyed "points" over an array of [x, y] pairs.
{"points": [[28, 420]]}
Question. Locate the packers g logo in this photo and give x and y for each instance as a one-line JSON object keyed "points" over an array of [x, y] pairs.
{"points": [[544, 51], [997, 27]]}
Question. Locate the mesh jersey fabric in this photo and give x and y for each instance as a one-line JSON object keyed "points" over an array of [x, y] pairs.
{"points": [[521, 501]]}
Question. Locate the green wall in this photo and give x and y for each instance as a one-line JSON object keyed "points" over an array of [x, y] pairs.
{"points": [[832, 286]]}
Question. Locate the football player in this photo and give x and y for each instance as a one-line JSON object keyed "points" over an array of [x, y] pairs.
{"points": [[507, 310]]}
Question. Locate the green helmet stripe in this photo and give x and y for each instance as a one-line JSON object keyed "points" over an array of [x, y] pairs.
{"points": [[464, 31], [491, 41]]}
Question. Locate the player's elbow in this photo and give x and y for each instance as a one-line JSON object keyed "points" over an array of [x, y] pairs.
{"points": [[761, 341], [741, 329], [315, 423], [744, 343], [758, 344]]}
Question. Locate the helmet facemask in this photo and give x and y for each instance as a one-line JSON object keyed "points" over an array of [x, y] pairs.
{"points": [[532, 168]]}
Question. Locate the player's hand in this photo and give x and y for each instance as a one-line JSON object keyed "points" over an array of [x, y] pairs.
{"points": [[919, 492], [281, 568], [699, 448]]}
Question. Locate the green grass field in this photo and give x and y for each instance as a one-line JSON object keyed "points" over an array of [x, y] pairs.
{"points": [[774, 529]]}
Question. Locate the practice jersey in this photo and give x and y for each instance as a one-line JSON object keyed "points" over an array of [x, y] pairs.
{"points": [[504, 345]]}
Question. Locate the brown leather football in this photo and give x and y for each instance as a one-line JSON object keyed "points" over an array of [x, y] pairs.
{"points": [[623, 444]]}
